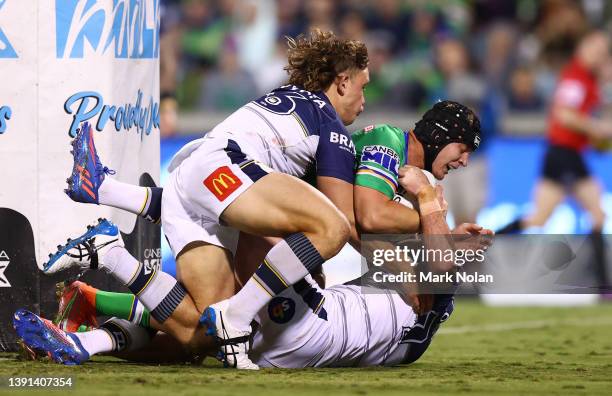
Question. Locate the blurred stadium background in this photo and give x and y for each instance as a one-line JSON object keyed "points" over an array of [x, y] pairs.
{"points": [[501, 57]]}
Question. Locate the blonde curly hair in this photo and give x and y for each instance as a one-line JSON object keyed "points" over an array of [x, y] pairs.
{"points": [[314, 61]]}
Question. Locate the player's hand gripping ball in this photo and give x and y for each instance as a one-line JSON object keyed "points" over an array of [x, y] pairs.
{"points": [[409, 200]]}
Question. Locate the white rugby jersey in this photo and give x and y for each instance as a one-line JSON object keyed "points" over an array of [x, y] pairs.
{"points": [[344, 325], [290, 130]]}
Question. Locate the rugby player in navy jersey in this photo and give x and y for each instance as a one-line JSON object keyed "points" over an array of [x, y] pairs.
{"points": [[450, 137]]}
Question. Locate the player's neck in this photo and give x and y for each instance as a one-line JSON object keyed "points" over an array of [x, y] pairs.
{"points": [[416, 154], [334, 98]]}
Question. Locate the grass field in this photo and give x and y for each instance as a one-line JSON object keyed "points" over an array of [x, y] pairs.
{"points": [[479, 351]]}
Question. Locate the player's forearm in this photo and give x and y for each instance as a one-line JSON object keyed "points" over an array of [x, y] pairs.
{"points": [[434, 227], [433, 217], [340, 193]]}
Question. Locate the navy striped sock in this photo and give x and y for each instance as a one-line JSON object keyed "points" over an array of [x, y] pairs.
{"points": [[126, 336], [152, 208], [285, 264], [153, 287]]}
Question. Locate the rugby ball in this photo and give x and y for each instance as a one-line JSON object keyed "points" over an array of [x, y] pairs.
{"points": [[411, 201]]}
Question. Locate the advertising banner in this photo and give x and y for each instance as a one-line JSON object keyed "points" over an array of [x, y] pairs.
{"points": [[63, 63]]}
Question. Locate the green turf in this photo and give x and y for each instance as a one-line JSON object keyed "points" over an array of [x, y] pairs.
{"points": [[546, 351]]}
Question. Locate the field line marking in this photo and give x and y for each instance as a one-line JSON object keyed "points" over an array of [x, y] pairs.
{"points": [[532, 324]]}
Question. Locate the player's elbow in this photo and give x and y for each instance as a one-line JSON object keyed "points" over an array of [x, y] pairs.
{"points": [[370, 223]]}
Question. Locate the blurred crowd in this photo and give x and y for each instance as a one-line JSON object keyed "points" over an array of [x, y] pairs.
{"points": [[495, 55]]}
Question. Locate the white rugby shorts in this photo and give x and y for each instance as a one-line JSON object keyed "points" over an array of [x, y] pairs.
{"points": [[206, 177]]}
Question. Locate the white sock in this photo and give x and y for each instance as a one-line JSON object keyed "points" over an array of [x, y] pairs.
{"points": [[257, 297], [158, 291], [96, 341], [120, 263], [124, 196]]}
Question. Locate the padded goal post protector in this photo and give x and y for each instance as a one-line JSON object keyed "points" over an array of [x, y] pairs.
{"points": [[63, 63]]}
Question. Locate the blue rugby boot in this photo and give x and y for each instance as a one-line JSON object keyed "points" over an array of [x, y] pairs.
{"points": [[87, 171], [43, 337], [84, 251]]}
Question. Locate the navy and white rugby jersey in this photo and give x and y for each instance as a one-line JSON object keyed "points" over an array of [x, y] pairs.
{"points": [[344, 325], [291, 131]]}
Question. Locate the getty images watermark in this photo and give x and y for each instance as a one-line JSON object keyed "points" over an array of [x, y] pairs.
{"points": [[424, 264], [412, 257], [475, 264]]}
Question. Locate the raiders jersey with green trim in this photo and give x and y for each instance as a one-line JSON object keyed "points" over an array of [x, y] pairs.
{"points": [[380, 151]]}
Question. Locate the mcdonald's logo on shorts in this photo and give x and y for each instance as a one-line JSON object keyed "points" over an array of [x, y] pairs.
{"points": [[222, 183]]}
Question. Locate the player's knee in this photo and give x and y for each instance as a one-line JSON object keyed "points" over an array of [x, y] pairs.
{"points": [[189, 334], [332, 235]]}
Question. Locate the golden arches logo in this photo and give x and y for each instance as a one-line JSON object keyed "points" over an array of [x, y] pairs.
{"points": [[222, 180]]}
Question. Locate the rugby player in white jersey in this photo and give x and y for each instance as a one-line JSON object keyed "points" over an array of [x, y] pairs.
{"points": [[352, 324], [349, 325], [344, 325], [419, 153], [238, 178]]}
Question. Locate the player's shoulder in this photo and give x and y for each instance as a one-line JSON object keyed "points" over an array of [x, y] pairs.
{"points": [[312, 108], [380, 133], [290, 98], [380, 130]]}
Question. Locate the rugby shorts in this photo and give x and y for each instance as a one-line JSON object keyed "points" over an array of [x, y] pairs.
{"points": [[201, 187]]}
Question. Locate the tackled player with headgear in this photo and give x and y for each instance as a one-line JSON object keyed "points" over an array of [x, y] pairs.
{"points": [[440, 142]]}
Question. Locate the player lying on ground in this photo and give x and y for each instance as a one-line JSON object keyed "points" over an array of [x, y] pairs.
{"points": [[431, 128], [305, 326], [452, 152]]}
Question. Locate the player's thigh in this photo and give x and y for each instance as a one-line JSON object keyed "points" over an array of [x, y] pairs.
{"points": [[201, 246], [588, 194], [279, 204], [207, 273], [547, 195]]}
